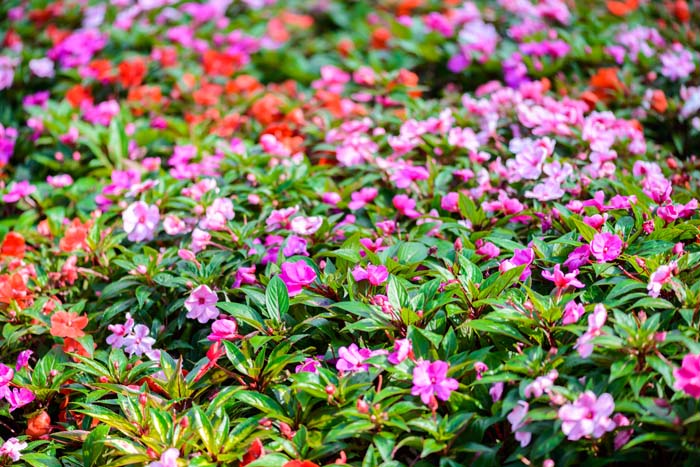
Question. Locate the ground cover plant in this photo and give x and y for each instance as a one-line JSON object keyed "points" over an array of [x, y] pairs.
{"points": [[324, 232]]}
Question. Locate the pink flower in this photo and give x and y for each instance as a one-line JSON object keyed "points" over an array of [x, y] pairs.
{"points": [[596, 321], [200, 240], [223, 329], [167, 459], [310, 365], [517, 418], [119, 332], [23, 359], [408, 174], [362, 197], [11, 448], [306, 225], [688, 376], [520, 257], [587, 416], [201, 304], [606, 247], [403, 349], [59, 181], [376, 275], [622, 436], [244, 275], [18, 190], [296, 276], [430, 380], [541, 384], [561, 280], [450, 202], [138, 341], [19, 398], [489, 250], [352, 358], [220, 212], [279, 218], [496, 391], [578, 257], [42, 67], [405, 206], [572, 312], [6, 374], [660, 277], [140, 221], [480, 368]]}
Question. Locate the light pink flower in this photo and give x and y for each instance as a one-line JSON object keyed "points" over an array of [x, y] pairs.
{"points": [[173, 225], [244, 275], [596, 321], [296, 276], [541, 384], [351, 359], [223, 329], [119, 332], [660, 277], [220, 211], [520, 257], [588, 416], [403, 349], [200, 240], [606, 247], [42, 67], [167, 459], [517, 418], [306, 225], [496, 391], [11, 448], [430, 380], [140, 221], [201, 304], [688, 376], [60, 180], [18, 190], [376, 275], [138, 342]]}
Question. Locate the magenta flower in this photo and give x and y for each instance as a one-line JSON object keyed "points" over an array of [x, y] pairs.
{"points": [[596, 321], [489, 250], [362, 197], [405, 206], [140, 221], [19, 398], [403, 349], [660, 277], [520, 257], [517, 418], [119, 332], [352, 358], [430, 380], [6, 374], [224, 330], [138, 341], [296, 276], [496, 391], [244, 275], [606, 247], [688, 376], [11, 448], [588, 416], [622, 436], [23, 360], [18, 190], [376, 275], [450, 202], [201, 304], [561, 280], [572, 312], [578, 257], [310, 365]]}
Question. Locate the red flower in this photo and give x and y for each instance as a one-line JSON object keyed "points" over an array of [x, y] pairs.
{"points": [[77, 95], [13, 245], [255, 451], [76, 236], [220, 63], [13, 288], [622, 8], [296, 463], [132, 72]]}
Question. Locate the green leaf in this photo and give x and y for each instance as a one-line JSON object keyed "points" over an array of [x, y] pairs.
{"points": [[276, 299]]}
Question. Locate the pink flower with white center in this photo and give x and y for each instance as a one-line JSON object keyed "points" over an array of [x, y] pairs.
{"points": [[220, 211], [306, 225], [546, 191], [588, 416], [430, 380], [18, 190], [541, 384], [200, 240], [572, 312], [561, 280], [279, 218], [520, 257], [376, 275], [119, 332], [361, 198], [224, 330], [687, 377], [310, 365], [596, 321], [167, 459], [296, 276], [11, 448], [403, 349], [140, 221], [244, 275], [138, 342], [60, 180], [19, 398], [517, 418], [660, 277], [606, 247], [405, 206], [201, 304], [351, 359]]}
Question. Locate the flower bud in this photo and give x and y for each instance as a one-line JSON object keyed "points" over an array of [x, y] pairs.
{"points": [[362, 406]]}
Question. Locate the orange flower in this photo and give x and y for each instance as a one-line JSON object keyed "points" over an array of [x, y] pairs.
{"points": [[73, 346], [13, 245], [76, 236], [68, 324], [102, 69], [208, 94], [267, 109], [243, 84], [658, 101], [77, 95], [605, 83], [39, 425], [622, 8], [13, 288], [219, 63], [380, 38], [406, 7], [345, 46], [132, 72], [148, 97]]}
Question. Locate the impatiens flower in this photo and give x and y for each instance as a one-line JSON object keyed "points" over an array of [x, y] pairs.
{"points": [[306, 225], [19, 398], [405, 206], [119, 332], [403, 349], [578, 257], [42, 67], [489, 250], [200, 240], [140, 221], [541, 384], [606, 247], [480, 368], [18, 190], [496, 391], [688, 376], [68, 324], [430, 380], [167, 459], [623, 436], [517, 418], [201, 304], [351, 359], [362, 198], [310, 365], [220, 212], [572, 312], [561, 280], [138, 342], [11, 448], [596, 321], [660, 277], [6, 374], [296, 276], [376, 275], [520, 257], [223, 330], [588, 416], [13, 245], [22, 361]]}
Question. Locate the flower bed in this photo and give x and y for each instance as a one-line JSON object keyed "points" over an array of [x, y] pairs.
{"points": [[396, 233]]}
